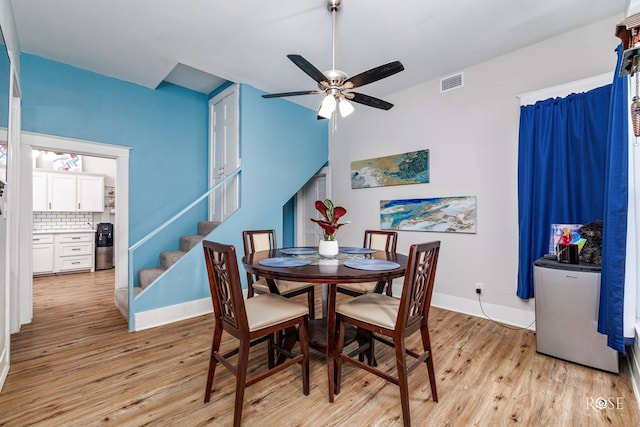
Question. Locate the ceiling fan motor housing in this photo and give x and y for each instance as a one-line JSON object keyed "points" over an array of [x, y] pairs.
{"points": [[333, 5], [335, 78]]}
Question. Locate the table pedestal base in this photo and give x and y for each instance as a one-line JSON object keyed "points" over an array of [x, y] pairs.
{"points": [[318, 334]]}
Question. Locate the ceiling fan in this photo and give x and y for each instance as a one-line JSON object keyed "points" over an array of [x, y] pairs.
{"points": [[336, 85]]}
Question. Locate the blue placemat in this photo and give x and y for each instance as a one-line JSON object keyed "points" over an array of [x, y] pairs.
{"points": [[299, 251], [349, 250], [284, 262], [371, 264]]}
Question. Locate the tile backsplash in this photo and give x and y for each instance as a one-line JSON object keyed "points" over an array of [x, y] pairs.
{"points": [[53, 221]]}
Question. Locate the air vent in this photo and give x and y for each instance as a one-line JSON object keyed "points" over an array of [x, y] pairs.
{"points": [[451, 82]]}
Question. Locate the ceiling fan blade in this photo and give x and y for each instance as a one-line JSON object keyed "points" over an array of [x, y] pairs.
{"points": [[303, 92], [374, 74], [308, 68], [369, 101]]}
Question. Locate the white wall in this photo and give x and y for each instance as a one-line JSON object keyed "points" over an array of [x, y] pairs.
{"points": [[472, 135]]}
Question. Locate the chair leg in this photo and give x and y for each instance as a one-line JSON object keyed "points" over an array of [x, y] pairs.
{"points": [[271, 351], [401, 362], [426, 345], [303, 333], [311, 300], [338, 351], [364, 337], [215, 347], [389, 288], [241, 381]]}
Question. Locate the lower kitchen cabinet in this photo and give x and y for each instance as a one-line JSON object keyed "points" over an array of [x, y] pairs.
{"points": [[66, 252], [42, 253]]}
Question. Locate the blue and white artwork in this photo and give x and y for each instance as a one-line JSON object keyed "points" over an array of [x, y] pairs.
{"points": [[399, 169], [441, 214]]}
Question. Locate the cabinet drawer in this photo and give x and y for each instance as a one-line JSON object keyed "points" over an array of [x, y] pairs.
{"points": [[71, 249], [79, 237], [75, 263], [42, 238]]}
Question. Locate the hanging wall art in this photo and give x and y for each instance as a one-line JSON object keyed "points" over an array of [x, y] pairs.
{"points": [[399, 169], [441, 214]]}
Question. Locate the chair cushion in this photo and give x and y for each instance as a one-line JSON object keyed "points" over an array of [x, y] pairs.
{"points": [[284, 286], [377, 309], [363, 288], [268, 310]]}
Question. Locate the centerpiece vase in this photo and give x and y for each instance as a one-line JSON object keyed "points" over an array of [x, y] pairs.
{"points": [[328, 248]]}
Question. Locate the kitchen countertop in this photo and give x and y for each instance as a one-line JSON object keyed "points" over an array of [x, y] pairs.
{"points": [[85, 230]]}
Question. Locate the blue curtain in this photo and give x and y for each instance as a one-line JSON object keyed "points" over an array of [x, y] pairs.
{"points": [[561, 171], [610, 317]]}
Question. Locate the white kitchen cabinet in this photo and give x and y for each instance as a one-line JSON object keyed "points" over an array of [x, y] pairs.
{"points": [[62, 190], [74, 251], [63, 252], [43, 248], [40, 200], [67, 192], [90, 193]]}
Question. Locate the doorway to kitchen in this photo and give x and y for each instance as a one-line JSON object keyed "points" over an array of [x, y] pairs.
{"points": [[99, 152]]}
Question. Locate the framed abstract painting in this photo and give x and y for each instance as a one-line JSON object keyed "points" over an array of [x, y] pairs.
{"points": [[399, 169], [440, 214]]}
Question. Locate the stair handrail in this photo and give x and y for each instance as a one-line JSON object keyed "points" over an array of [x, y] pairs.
{"points": [[168, 222]]}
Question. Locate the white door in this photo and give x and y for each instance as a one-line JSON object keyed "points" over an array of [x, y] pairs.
{"points": [[308, 233], [224, 154]]}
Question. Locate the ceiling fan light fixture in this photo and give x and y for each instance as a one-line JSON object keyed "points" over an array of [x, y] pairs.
{"points": [[345, 107], [327, 107], [336, 85]]}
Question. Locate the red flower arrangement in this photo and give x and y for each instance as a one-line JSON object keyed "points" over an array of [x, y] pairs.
{"points": [[330, 216]]}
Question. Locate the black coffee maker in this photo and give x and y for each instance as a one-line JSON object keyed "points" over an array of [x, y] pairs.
{"points": [[104, 246]]}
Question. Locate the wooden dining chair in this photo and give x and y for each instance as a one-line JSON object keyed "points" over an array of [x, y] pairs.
{"points": [[250, 322], [392, 320], [264, 240], [380, 240]]}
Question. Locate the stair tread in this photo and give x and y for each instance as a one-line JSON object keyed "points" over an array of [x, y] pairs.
{"points": [[146, 276]]}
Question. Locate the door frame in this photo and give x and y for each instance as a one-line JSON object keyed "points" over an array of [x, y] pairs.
{"points": [[120, 154]]}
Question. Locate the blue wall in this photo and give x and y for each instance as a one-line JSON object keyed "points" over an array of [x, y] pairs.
{"points": [[166, 128], [282, 145]]}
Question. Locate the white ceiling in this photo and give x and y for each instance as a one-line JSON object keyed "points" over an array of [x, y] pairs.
{"points": [[142, 41]]}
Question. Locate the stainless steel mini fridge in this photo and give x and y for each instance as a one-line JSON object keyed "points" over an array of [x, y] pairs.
{"points": [[567, 297]]}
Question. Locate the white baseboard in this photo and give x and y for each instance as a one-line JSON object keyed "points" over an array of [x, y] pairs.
{"points": [[499, 313], [4, 366], [633, 358], [173, 313]]}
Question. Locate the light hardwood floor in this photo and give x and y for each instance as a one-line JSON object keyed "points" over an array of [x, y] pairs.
{"points": [[76, 365]]}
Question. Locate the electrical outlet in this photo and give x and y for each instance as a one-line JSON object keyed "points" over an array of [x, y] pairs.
{"points": [[479, 286]]}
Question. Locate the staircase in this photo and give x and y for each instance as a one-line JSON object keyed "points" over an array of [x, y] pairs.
{"points": [[147, 276]]}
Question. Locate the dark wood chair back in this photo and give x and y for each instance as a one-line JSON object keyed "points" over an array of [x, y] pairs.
{"points": [[381, 240], [417, 289], [226, 288], [255, 241], [258, 240]]}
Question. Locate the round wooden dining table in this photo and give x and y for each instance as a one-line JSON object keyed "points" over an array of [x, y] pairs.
{"points": [[327, 271]]}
